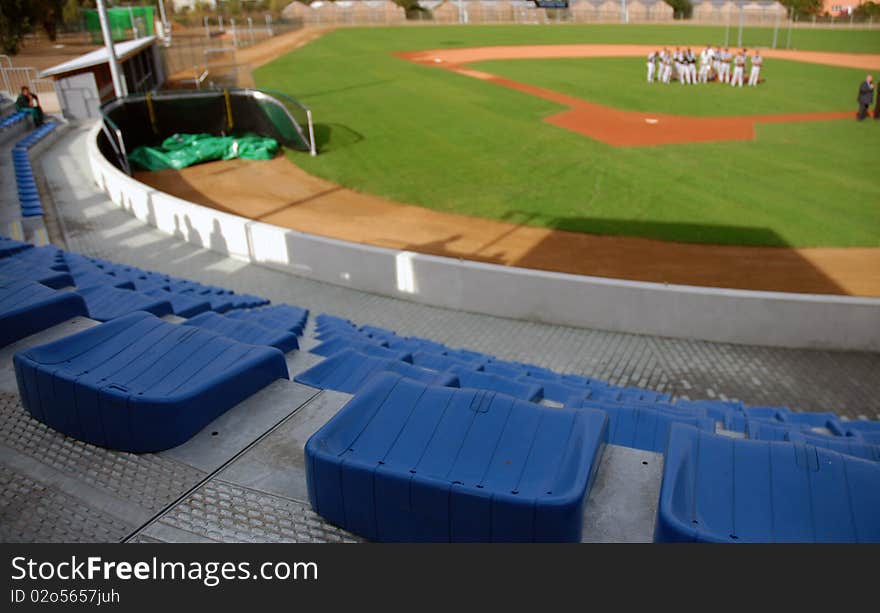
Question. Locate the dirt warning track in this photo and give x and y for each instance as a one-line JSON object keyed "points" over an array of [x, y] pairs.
{"points": [[622, 128]]}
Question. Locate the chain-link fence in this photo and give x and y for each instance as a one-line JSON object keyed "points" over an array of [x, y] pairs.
{"points": [[205, 55]]}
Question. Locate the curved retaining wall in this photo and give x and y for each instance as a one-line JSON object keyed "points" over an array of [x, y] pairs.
{"points": [[734, 316]]}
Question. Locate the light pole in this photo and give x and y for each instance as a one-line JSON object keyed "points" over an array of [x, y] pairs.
{"points": [[165, 30], [116, 74]]}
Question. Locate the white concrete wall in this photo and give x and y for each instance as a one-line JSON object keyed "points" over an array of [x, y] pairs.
{"points": [[736, 316]]}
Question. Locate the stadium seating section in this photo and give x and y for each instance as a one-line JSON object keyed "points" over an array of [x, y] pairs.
{"points": [[436, 443], [28, 194]]}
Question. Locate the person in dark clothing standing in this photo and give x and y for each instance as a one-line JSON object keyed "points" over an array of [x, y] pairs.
{"points": [[877, 105], [866, 96], [28, 102]]}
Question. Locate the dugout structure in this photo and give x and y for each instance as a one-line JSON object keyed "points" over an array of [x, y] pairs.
{"points": [[147, 119]]}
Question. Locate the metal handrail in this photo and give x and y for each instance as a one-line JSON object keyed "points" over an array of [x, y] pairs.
{"points": [[108, 124]]}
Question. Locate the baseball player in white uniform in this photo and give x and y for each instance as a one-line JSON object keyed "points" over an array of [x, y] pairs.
{"points": [[667, 66], [652, 66], [739, 66], [724, 66], [757, 60], [678, 57], [691, 67], [705, 62]]}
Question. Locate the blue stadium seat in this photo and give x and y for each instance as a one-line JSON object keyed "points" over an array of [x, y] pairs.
{"points": [[413, 344], [436, 361], [12, 268], [331, 320], [90, 279], [349, 370], [467, 377], [465, 355], [247, 301], [506, 369], [868, 431], [720, 489], [404, 461], [244, 331], [627, 395], [9, 246], [280, 316], [105, 302], [557, 391], [642, 426], [140, 384], [335, 345], [27, 307], [12, 119], [182, 305], [841, 444]]}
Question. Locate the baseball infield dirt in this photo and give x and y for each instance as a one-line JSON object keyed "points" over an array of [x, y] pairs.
{"points": [[630, 128], [280, 193]]}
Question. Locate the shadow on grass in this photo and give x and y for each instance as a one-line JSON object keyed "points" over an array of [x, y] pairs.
{"points": [[330, 137]]}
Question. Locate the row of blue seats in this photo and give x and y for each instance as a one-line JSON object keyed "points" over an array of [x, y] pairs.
{"points": [[346, 368], [110, 290], [407, 460], [28, 194], [765, 436], [12, 119], [638, 418], [136, 382]]}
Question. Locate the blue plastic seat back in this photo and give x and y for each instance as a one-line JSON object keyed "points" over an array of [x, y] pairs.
{"points": [[27, 307], [9, 247], [436, 361], [13, 269], [105, 302], [348, 370], [470, 357], [642, 426], [278, 319], [505, 370], [245, 332], [405, 461], [414, 343], [530, 392], [340, 343], [722, 489], [138, 383], [841, 444]]}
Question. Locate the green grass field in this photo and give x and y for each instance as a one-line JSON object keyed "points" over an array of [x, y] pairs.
{"points": [[433, 138]]}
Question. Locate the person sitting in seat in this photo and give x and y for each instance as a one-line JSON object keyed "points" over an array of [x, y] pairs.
{"points": [[28, 102]]}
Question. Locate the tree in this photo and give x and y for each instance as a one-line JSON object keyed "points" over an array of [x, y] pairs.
{"points": [[804, 8], [868, 10], [681, 9], [70, 13], [48, 13], [14, 24]]}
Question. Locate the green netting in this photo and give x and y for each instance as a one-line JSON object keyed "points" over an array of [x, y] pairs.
{"points": [[182, 150], [120, 20]]}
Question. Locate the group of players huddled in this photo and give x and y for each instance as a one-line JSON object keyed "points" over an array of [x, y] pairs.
{"points": [[714, 65]]}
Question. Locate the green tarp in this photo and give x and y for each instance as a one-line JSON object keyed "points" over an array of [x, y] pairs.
{"points": [[182, 150]]}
